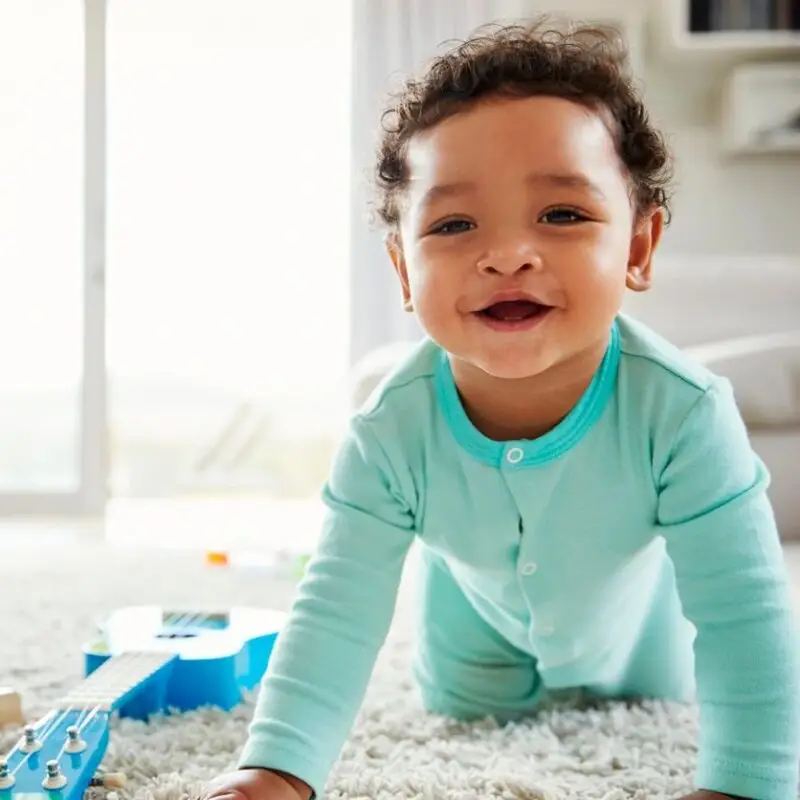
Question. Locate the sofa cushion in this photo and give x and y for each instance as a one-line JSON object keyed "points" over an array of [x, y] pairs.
{"points": [[765, 374]]}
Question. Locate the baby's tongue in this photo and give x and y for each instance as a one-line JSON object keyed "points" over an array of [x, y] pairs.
{"points": [[512, 310]]}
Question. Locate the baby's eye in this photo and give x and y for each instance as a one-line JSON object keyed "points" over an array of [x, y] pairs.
{"points": [[563, 216], [453, 226]]}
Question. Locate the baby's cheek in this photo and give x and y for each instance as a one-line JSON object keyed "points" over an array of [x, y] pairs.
{"points": [[605, 281], [429, 297], [432, 283], [596, 300], [437, 312]]}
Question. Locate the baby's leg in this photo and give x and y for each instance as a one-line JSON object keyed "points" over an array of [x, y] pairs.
{"points": [[464, 667], [662, 663]]}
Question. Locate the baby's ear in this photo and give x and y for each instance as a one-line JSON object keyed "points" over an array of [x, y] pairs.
{"points": [[637, 279], [644, 242], [394, 247]]}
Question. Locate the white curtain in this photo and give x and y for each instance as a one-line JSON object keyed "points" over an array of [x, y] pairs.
{"points": [[391, 37]]}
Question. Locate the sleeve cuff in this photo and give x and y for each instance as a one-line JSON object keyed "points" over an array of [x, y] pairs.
{"points": [[265, 755], [717, 775]]}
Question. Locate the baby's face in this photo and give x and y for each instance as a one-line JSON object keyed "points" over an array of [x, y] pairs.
{"points": [[517, 233]]}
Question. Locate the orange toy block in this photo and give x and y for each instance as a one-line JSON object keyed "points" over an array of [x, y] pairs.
{"points": [[217, 559]]}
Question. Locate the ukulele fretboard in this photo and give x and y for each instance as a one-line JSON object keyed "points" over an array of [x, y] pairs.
{"points": [[114, 680]]}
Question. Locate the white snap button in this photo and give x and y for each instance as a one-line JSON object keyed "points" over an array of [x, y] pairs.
{"points": [[529, 569], [514, 455]]}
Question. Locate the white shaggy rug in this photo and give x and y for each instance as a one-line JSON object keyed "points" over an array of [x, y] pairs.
{"points": [[51, 600]]}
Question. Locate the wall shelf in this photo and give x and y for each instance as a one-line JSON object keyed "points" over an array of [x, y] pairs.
{"points": [[761, 109], [672, 27]]}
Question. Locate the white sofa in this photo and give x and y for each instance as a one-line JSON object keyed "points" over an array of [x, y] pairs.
{"points": [[738, 315], [741, 317]]}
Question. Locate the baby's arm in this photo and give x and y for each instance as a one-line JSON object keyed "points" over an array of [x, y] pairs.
{"points": [[721, 536], [324, 657]]}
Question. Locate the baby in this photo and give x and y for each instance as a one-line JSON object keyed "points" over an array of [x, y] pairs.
{"points": [[588, 508]]}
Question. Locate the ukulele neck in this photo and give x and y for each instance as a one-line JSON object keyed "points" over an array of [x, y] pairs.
{"points": [[116, 681]]}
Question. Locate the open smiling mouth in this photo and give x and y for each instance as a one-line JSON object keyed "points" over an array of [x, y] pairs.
{"points": [[513, 315]]}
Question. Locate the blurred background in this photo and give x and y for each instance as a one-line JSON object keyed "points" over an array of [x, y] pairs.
{"points": [[190, 289]]}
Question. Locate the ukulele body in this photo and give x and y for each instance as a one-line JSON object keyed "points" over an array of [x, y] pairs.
{"points": [[220, 655]]}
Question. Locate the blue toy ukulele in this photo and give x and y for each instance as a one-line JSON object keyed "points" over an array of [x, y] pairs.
{"points": [[146, 661]]}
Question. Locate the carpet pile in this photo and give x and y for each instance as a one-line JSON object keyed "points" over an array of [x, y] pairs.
{"points": [[51, 601]]}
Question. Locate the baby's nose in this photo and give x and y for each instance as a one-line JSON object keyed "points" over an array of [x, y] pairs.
{"points": [[510, 259]]}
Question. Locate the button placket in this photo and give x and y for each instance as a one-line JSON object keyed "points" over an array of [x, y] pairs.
{"points": [[514, 455]]}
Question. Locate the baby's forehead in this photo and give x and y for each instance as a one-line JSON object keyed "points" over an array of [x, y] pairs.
{"points": [[506, 138]]}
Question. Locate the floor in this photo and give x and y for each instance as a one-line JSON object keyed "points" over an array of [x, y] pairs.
{"points": [[615, 752], [51, 603]]}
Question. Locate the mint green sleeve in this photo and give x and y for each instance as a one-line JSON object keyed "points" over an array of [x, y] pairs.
{"points": [[324, 657], [721, 536]]}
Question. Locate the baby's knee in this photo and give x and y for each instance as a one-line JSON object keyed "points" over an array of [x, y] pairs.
{"points": [[444, 702], [463, 696]]}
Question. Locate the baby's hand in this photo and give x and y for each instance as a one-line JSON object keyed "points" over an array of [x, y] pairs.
{"points": [[256, 784]]}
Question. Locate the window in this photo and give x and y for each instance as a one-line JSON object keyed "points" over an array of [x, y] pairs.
{"points": [[228, 240], [41, 302]]}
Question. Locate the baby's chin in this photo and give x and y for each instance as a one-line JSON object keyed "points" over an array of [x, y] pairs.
{"points": [[511, 371], [515, 357], [510, 365]]}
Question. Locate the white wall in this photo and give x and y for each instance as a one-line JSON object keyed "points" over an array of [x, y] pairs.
{"points": [[722, 205]]}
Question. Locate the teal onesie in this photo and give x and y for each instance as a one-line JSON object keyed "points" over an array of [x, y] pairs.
{"points": [[630, 551]]}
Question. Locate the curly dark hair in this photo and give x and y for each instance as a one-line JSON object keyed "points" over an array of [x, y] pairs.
{"points": [[584, 63]]}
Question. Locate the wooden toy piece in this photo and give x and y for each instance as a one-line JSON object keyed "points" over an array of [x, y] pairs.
{"points": [[10, 707], [110, 780], [114, 780]]}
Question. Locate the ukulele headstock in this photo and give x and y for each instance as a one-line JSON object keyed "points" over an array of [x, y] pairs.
{"points": [[57, 758]]}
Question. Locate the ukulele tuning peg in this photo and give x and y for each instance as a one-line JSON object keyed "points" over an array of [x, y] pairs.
{"points": [[30, 744], [54, 777], [74, 742], [6, 778]]}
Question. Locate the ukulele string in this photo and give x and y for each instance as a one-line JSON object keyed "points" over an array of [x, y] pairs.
{"points": [[89, 717], [90, 712], [86, 710], [43, 722], [82, 716], [47, 731], [18, 744], [187, 619]]}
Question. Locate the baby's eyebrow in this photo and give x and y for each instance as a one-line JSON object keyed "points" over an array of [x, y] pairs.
{"points": [[569, 180], [442, 191]]}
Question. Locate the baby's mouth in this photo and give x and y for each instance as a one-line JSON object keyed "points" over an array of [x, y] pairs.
{"points": [[513, 310]]}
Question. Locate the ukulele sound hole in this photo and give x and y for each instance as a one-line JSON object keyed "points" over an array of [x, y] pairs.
{"points": [[176, 635]]}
